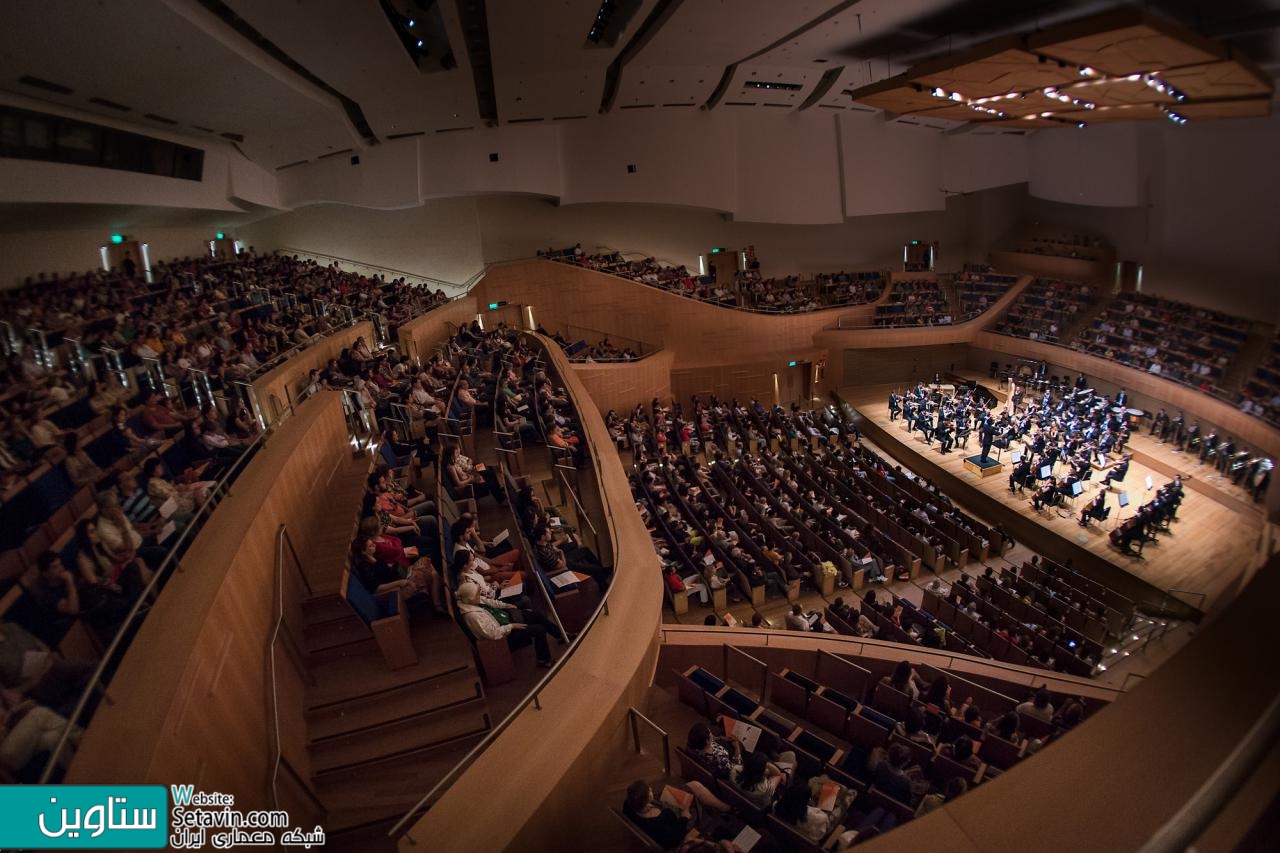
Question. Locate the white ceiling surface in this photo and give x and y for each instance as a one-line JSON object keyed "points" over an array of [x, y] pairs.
{"points": [[685, 59], [557, 74], [834, 39], [379, 76], [173, 60]]}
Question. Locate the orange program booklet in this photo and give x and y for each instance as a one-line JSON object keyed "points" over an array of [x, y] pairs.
{"points": [[827, 796], [677, 799]]}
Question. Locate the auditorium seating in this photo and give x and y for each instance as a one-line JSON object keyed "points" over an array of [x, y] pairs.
{"points": [[1043, 311], [978, 291], [914, 302], [1261, 393], [1174, 340], [751, 291], [844, 730]]}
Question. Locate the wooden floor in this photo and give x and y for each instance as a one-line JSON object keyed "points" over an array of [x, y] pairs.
{"points": [[1213, 543]]}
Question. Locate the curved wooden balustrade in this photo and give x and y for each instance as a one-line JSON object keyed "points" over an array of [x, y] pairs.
{"points": [[541, 771], [189, 703], [277, 389]]}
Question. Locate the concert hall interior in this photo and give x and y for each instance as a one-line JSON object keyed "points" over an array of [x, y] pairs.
{"points": [[613, 425]]}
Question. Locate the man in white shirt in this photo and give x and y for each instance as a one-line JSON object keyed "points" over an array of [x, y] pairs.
{"points": [[488, 619]]}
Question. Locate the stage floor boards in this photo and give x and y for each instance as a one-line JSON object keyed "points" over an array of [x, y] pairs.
{"points": [[1214, 541]]}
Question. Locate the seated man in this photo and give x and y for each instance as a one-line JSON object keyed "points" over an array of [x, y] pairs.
{"points": [[488, 619], [1117, 473]]}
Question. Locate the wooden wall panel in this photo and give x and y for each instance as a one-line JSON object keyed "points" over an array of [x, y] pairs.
{"points": [[697, 333], [1052, 266], [419, 337], [906, 364], [192, 697], [271, 386], [620, 386]]}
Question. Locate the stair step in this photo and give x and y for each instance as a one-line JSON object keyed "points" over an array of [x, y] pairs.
{"points": [[322, 608], [390, 742], [322, 636], [418, 699], [358, 669], [367, 796]]}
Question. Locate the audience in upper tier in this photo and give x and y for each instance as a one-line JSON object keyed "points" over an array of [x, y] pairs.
{"points": [[1190, 345], [1260, 396], [1045, 309], [750, 290], [917, 302], [979, 289]]}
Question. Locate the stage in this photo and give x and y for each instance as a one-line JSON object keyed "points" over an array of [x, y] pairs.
{"points": [[1211, 545]]}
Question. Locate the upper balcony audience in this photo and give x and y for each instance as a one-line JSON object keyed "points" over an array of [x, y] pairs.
{"points": [[789, 294], [1260, 396], [918, 302], [979, 290], [1180, 342], [1045, 309]]}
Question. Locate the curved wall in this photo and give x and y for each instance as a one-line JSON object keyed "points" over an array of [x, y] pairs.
{"points": [[191, 699]]}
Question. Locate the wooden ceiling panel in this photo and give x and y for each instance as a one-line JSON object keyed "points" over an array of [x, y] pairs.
{"points": [[1116, 93], [1085, 62], [1127, 112], [1218, 80], [1007, 71], [1125, 41]]}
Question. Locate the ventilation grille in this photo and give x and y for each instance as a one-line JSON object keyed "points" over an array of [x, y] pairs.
{"points": [[111, 105]]}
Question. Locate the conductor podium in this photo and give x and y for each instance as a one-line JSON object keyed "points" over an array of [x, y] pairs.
{"points": [[976, 465]]}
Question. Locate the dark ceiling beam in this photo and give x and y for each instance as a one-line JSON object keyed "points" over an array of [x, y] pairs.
{"points": [[656, 19]]}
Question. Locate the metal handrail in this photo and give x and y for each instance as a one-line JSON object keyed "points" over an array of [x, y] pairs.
{"points": [[861, 645], [398, 273], [531, 698], [582, 513], [169, 563], [635, 716], [1202, 807], [1203, 596], [282, 539]]}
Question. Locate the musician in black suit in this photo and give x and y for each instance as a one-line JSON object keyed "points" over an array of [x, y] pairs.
{"points": [[1097, 508], [943, 433], [1122, 399], [987, 436], [1021, 474], [1117, 473], [1046, 495], [895, 406], [1081, 384]]}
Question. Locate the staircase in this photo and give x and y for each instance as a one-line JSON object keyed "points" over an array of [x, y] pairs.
{"points": [[378, 738], [1255, 350], [1135, 639]]}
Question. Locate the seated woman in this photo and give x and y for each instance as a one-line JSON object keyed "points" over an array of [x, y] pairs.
{"points": [[464, 480], [722, 756], [186, 496], [379, 575], [759, 778], [672, 827], [794, 810], [905, 680]]}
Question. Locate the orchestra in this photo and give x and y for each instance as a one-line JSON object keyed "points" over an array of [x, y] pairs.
{"points": [[1077, 429]]}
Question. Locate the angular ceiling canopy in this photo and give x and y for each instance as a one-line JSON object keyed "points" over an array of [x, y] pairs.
{"points": [[1123, 65]]}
